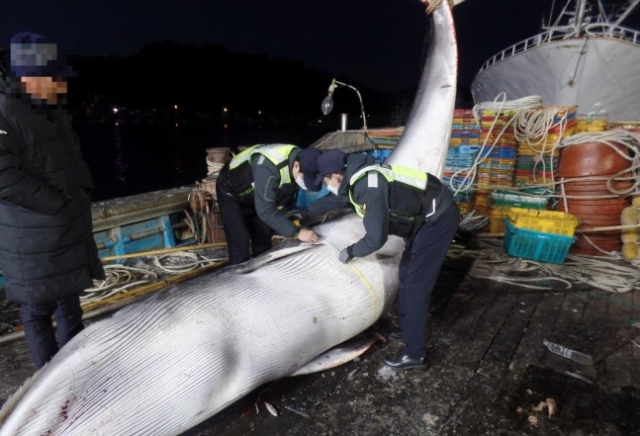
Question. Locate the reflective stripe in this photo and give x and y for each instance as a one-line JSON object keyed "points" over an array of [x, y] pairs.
{"points": [[372, 180], [392, 173], [276, 153]]}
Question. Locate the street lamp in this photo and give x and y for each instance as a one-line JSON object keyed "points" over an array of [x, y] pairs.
{"points": [[327, 103]]}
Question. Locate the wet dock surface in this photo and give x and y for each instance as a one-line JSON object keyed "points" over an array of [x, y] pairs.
{"points": [[489, 371]]}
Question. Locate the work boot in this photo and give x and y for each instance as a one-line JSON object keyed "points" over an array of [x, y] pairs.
{"points": [[402, 361], [396, 336]]}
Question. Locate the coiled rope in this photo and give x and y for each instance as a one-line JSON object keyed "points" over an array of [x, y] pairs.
{"points": [[533, 127], [499, 104], [213, 167], [121, 278], [172, 267], [604, 273], [615, 139]]}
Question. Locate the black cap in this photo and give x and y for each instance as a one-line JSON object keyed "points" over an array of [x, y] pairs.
{"points": [[33, 55], [309, 168], [331, 161]]}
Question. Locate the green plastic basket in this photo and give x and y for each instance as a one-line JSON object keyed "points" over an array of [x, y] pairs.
{"points": [[540, 246]]}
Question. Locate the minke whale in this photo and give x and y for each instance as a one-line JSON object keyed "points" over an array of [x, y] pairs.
{"points": [[167, 363]]}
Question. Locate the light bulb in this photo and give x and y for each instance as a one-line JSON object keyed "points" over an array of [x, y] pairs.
{"points": [[327, 105]]}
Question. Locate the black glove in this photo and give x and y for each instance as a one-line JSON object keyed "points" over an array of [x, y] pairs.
{"points": [[345, 255]]}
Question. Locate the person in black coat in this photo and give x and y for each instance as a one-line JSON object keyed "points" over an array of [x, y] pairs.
{"points": [[47, 251]]}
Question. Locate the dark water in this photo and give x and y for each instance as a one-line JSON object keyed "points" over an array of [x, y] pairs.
{"points": [[130, 159]]}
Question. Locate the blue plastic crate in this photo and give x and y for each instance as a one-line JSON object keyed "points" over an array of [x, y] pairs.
{"points": [[462, 149], [529, 244]]}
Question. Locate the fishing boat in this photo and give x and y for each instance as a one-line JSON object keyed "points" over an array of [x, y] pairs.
{"points": [[585, 58]]}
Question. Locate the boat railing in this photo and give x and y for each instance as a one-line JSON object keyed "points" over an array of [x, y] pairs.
{"points": [[559, 33], [610, 31]]}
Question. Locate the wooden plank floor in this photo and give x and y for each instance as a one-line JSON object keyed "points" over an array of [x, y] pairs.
{"points": [[488, 370]]}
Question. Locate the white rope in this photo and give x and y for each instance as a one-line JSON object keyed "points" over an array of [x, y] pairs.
{"points": [[473, 221], [532, 128], [493, 263], [213, 167], [119, 278], [520, 104], [195, 261], [199, 235], [532, 124], [499, 104], [615, 139]]}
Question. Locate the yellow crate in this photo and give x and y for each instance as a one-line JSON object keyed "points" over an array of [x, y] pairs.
{"points": [[546, 221], [586, 124], [504, 112], [496, 219]]}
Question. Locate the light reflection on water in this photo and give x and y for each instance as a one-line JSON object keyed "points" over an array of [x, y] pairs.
{"points": [[130, 159], [119, 165]]}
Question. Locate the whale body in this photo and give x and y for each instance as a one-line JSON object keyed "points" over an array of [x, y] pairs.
{"points": [[169, 362]]}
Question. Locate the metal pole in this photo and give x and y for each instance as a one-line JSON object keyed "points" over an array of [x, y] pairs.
{"points": [[343, 122], [582, 5]]}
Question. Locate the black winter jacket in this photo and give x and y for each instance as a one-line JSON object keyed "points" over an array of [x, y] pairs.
{"points": [[47, 250]]}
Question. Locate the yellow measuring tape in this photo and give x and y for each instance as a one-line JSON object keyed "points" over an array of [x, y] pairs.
{"points": [[369, 287]]}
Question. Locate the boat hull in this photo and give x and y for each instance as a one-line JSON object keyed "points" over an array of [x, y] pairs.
{"points": [[596, 74]]}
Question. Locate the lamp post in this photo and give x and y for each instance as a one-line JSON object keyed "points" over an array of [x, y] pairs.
{"points": [[327, 103]]}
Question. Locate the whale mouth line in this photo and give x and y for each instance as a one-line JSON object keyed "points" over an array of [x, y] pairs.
{"points": [[272, 256]]}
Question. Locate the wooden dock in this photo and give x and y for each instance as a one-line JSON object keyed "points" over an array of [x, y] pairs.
{"points": [[489, 371]]}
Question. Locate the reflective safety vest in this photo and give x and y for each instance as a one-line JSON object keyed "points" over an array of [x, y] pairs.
{"points": [[407, 191], [240, 178]]}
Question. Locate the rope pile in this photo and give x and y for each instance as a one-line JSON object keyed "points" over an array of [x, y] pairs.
{"points": [[532, 124], [500, 104], [492, 263], [120, 278], [174, 265], [614, 139], [213, 167]]}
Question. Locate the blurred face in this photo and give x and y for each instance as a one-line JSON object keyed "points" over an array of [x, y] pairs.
{"points": [[295, 170], [44, 88], [333, 182], [298, 176]]}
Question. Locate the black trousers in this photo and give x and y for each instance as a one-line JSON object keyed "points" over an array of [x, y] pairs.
{"points": [[419, 270], [39, 331], [242, 229]]}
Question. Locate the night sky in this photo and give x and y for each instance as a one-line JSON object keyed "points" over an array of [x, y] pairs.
{"points": [[377, 42]]}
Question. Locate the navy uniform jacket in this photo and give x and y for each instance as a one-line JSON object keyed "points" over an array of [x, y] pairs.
{"points": [[266, 178], [376, 220]]}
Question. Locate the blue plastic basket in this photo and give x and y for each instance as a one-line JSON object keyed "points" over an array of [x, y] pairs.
{"points": [[540, 246]]}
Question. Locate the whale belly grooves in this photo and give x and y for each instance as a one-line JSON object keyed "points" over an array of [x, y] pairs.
{"points": [[167, 363]]}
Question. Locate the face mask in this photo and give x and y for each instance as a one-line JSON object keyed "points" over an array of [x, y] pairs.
{"points": [[300, 182], [333, 189]]}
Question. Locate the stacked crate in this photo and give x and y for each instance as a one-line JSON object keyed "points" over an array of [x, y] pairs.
{"points": [[463, 148], [500, 201], [591, 124], [498, 158], [538, 158]]}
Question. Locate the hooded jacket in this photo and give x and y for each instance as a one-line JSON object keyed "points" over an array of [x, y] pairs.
{"points": [[47, 250]]}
